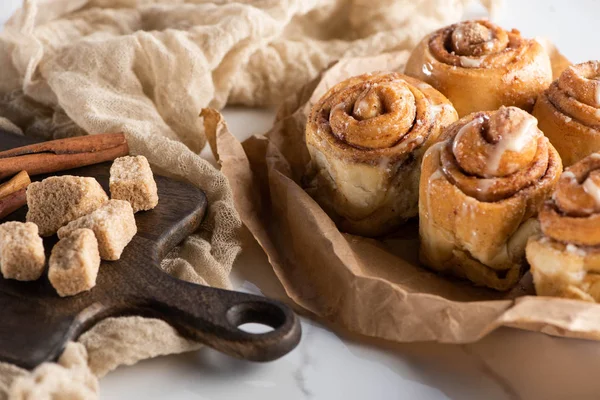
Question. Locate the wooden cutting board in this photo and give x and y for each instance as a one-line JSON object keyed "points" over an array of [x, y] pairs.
{"points": [[37, 323]]}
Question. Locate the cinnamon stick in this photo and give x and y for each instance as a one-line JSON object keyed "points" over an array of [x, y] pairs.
{"points": [[63, 154], [18, 182], [12, 202], [13, 194]]}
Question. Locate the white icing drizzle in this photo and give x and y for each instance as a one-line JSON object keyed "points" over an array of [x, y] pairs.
{"points": [[467, 212], [433, 177], [461, 131], [439, 108], [515, 142], [418, 140], [435, 242], [384, 164], [470, 62], [362, 107], [569, 175], [595, 156], [592, 189], [544, 240], [484, 185], [458, 35], [571, 248], [438, 174], [436, 110], [427, 68]]}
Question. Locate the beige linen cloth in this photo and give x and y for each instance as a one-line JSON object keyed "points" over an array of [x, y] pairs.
{"points": [[146, 67]]}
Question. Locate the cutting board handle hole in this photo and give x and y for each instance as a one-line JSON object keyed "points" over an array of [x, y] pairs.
{"points": [[256, 317], [255, 329]]}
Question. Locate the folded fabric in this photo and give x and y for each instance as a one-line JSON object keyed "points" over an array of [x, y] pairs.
{"points": [[151, 65]]}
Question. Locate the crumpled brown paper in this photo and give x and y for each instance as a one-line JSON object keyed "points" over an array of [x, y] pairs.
{"points": [[372, 287]]}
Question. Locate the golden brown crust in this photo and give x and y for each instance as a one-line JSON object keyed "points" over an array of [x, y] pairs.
{"points": [[494, 155], [480, 66], [564, 270], [565, 260], [573, 215], [476, 225], [366, 137], [569, 112]]}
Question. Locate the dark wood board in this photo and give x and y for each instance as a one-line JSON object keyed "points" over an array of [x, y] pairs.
{"points": [[37, 323]]}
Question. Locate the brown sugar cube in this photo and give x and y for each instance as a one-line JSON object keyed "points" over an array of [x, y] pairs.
{"points": [[58, 200], [21, 251], [131, 179], [74, 263], [113, 224]]}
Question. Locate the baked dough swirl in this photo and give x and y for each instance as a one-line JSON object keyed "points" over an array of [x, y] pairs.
{"points": [[480, 192], [565, 259], [366, 137], [480, 66], [569, 112]]}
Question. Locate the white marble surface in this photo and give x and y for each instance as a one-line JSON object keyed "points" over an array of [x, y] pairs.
{"points": [[508, 364]]}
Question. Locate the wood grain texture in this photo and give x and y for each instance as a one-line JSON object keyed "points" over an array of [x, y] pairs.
{"points": [[37, 323]]}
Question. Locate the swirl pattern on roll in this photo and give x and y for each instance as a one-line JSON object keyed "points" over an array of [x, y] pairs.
{"points": [[480, 193], [366, 137], [477, 44], [573, 215], [577, 93], [377, 114], [480, 66], [493, 155], [569, 111]]}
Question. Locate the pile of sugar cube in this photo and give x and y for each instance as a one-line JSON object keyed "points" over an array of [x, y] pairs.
{"points": [[90, 226]]}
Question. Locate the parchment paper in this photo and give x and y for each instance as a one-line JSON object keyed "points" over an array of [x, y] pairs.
{"points": [[372, 287]]}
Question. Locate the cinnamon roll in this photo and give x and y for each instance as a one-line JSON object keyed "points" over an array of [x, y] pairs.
{"points": [[366, 137], [479, 66], [565, 258], [569, 112], [480, 192]]}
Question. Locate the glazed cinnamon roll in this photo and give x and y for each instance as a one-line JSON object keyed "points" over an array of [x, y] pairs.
{"points": [[480, 66], [565, 259], [366, 137], [569, 112], [480, 192]]}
